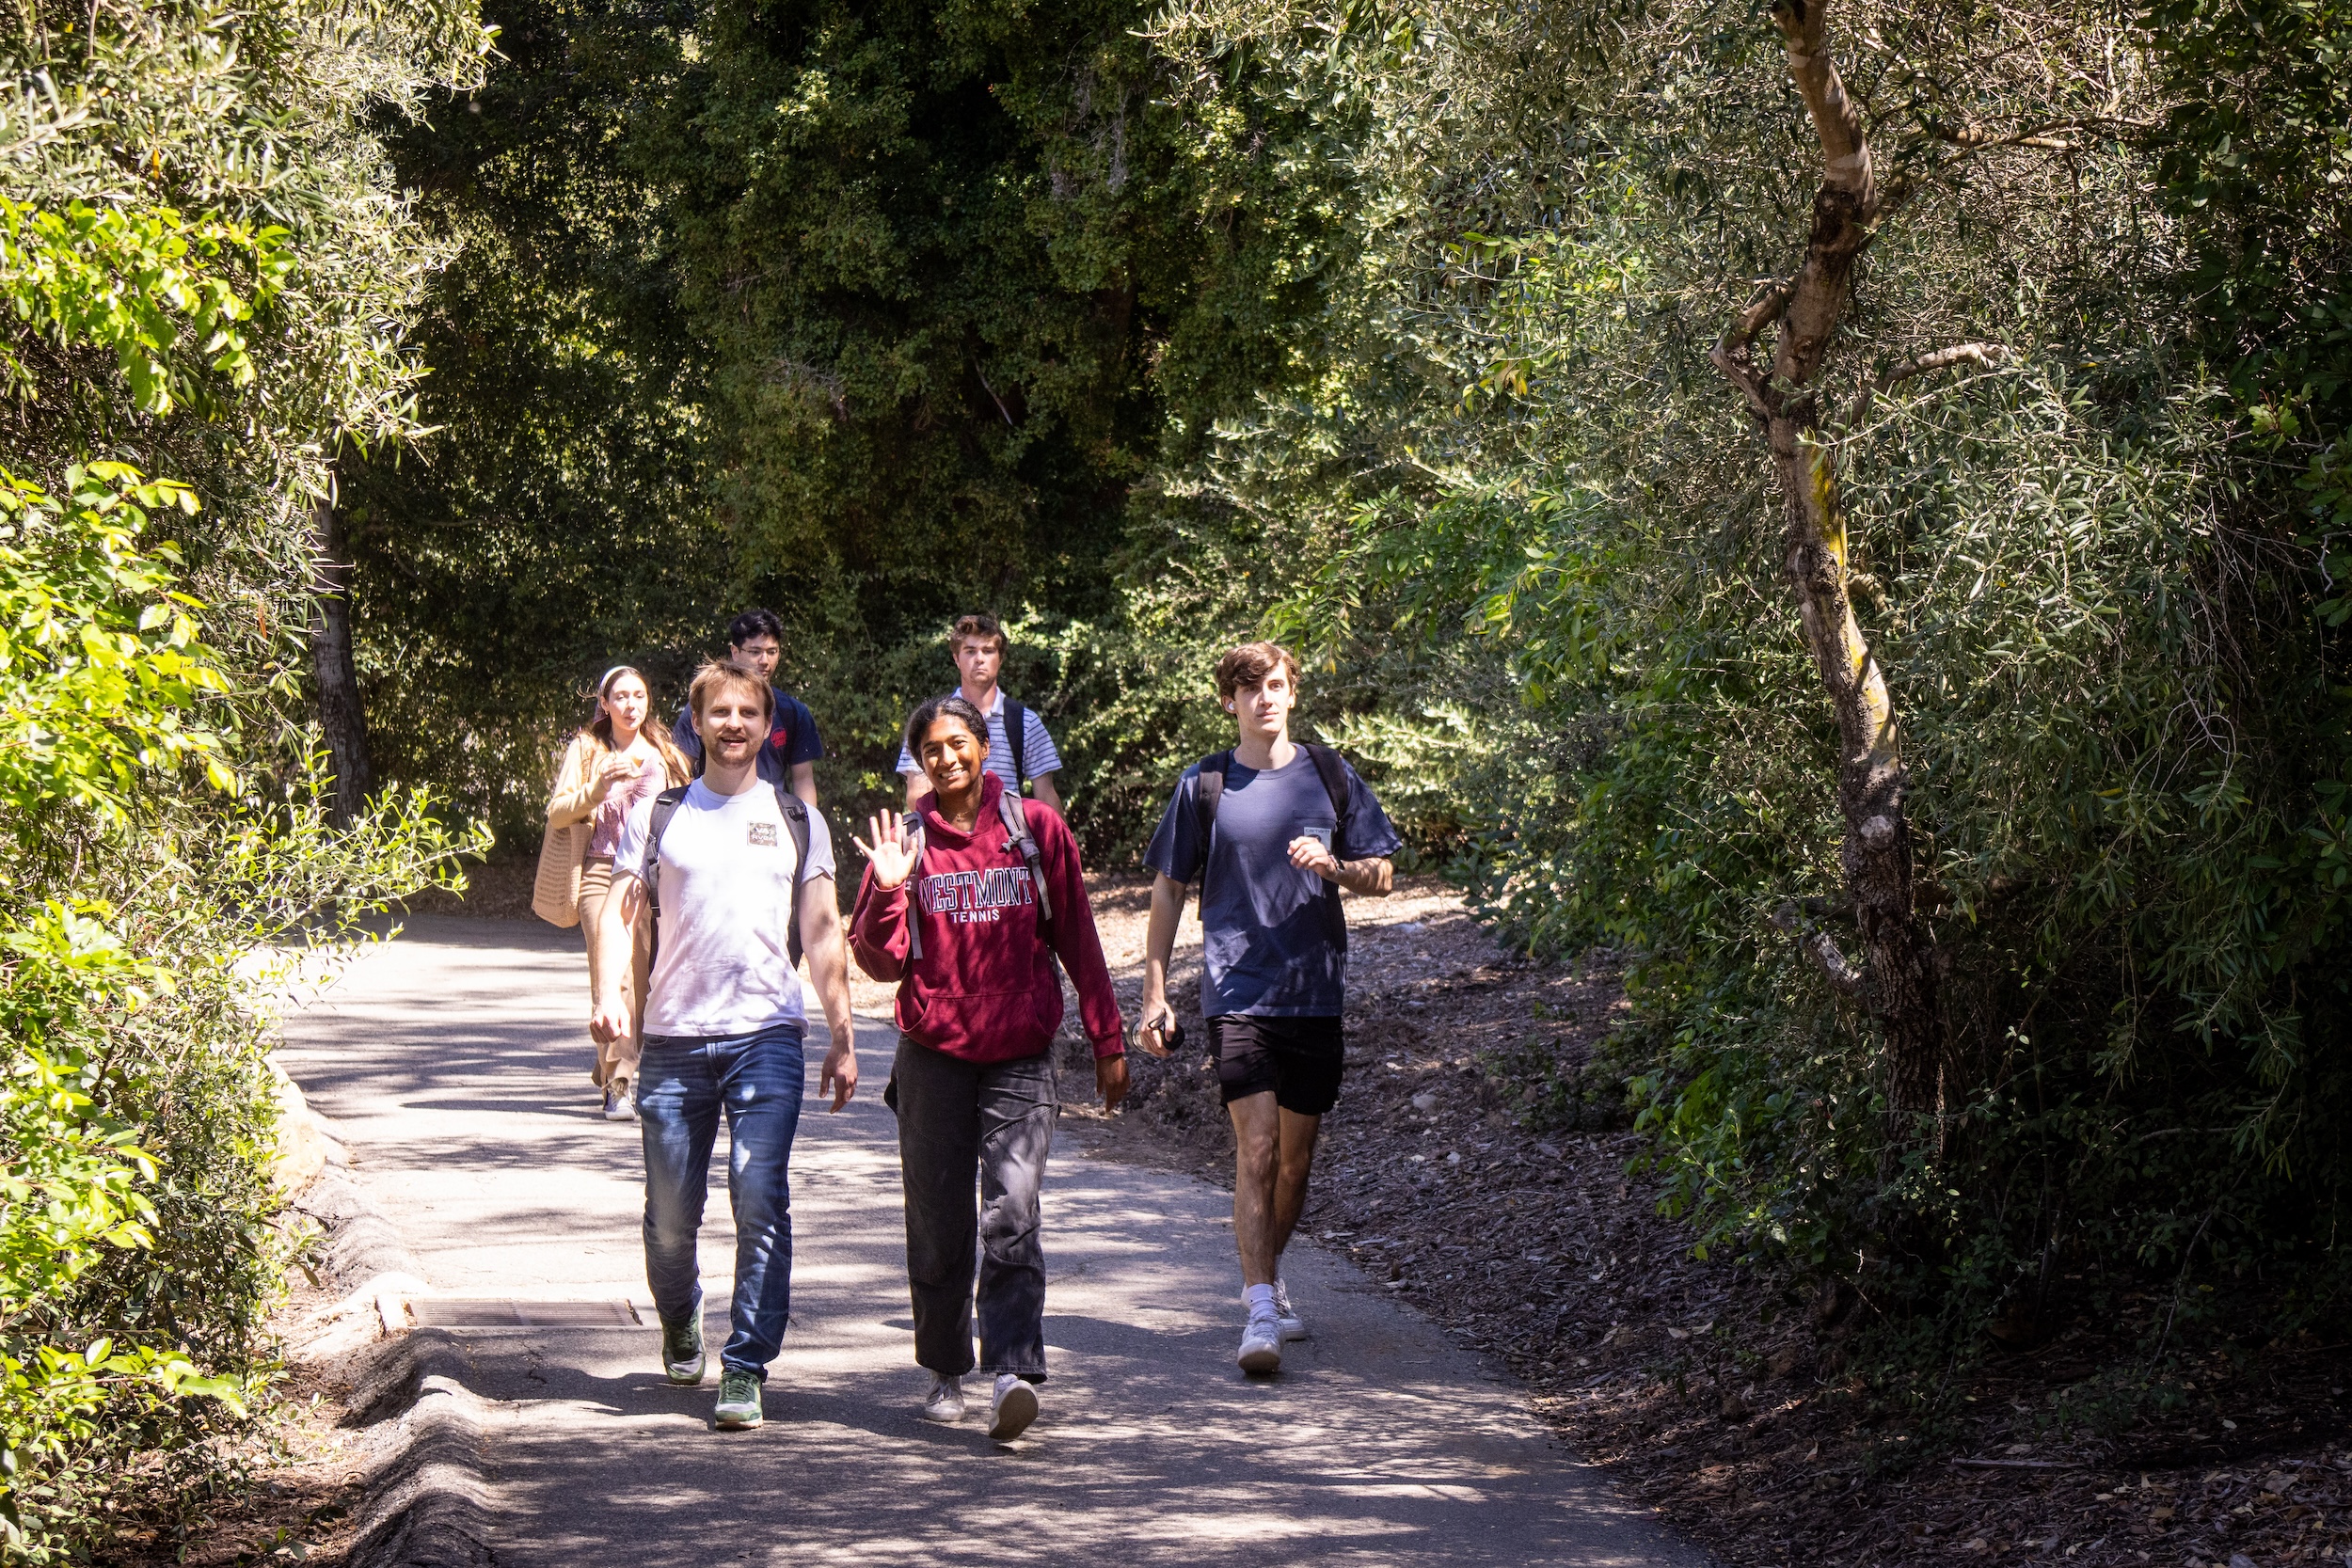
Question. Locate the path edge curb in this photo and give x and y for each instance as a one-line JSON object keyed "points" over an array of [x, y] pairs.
{"points": [[427, 1501], [429, 1504]]}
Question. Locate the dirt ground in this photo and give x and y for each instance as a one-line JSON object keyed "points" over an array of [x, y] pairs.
{"points": [[296, 1483], [1708, 1392]]}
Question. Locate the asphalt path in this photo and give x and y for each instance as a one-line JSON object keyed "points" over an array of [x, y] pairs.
{"points": [[455, 1061]]}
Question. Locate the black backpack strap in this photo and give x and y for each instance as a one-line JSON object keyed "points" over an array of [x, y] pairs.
{"points": [[1207, 790], [1016, 814], [664, 807], [1017, 736], [1334, 775], [795, 812], [910, 827]]}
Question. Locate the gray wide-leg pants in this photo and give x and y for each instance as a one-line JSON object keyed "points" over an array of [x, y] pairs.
{"points": [[956, 1118]]}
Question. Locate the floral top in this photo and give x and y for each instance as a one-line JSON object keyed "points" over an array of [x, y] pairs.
{"points": [[651, 778], [577, 774]]}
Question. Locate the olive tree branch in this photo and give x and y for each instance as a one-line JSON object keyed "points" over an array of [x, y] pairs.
{"points": [[1983, 355]]}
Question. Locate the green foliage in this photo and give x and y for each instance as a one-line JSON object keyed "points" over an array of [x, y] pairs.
{"points": [[158, 790], [556, 521], [137, 1254], [874, 317], [100, 670], [2097, 594], [67, 274], [72, 1191]]}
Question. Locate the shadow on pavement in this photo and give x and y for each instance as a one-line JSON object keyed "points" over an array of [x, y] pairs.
{"points": [[454, 1062]]}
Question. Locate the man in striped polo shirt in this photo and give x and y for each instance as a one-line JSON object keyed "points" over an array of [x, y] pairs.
{"points": [[1027, 757]]}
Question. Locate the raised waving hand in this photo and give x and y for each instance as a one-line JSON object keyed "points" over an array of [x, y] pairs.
{"points": [[891, 853]]}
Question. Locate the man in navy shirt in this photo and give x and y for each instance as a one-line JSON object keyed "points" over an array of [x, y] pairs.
{"points": [[789, 755], [1275, 829]]}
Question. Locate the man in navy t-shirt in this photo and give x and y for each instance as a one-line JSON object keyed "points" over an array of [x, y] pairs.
{"points": [[789, 757], [1274, 830]]}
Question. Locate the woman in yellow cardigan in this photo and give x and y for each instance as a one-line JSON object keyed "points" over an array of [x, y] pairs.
{"points": [[621, 757]]}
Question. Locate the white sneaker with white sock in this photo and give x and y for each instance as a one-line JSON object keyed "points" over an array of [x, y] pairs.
{"points": [[1261, 1342], [1287, 1320], [1012, 1408], [944, 1402]]}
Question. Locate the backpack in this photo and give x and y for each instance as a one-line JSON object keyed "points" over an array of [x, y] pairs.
{"points": [[795, 822], [1016, 820], [1211, 789], [1016, 735]]}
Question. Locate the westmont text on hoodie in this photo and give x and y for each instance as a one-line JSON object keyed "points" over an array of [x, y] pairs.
{"points": [[984, 989]]}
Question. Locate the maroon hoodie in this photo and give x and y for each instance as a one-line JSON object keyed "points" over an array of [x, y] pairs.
{"points": [[984, 989]]}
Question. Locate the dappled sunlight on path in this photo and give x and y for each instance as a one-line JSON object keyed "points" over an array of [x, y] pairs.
{"points": [[456, 1065]]}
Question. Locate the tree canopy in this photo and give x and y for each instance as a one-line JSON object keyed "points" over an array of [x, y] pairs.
{"points": [[1837, 505]]}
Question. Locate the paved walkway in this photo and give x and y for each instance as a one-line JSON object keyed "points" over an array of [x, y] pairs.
{"points": [[455, 1061]]}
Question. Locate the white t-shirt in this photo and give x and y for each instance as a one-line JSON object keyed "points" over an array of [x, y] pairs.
{"points": [[727, 909]]}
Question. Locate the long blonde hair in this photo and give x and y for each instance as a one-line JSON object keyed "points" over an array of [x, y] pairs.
{"points": [[598, 731]]}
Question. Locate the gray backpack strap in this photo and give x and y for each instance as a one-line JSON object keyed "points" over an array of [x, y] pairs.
{"points": [[910, 827], [664, 807], [795, 812], [1016, 816]]}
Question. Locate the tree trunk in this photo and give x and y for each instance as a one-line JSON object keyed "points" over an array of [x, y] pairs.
{"points": [[1898, 977], [341, 719]]}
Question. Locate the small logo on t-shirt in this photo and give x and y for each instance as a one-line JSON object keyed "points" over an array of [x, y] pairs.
{"points": [[763, 836]]}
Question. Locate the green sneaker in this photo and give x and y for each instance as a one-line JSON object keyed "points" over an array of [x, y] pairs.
{"points": [[738, 1402], [682, 1352]]}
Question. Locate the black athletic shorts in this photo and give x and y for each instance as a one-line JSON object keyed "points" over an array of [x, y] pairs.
{"points": [[1300, 1059]]}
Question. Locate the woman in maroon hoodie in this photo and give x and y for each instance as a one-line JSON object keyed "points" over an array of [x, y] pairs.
{"points": [[997, 892]]}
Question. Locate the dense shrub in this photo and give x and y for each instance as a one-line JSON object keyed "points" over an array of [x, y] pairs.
{"points": [[203, 276]]}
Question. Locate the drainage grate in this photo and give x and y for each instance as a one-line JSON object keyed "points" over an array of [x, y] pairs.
{"points": [[451, 1312]]}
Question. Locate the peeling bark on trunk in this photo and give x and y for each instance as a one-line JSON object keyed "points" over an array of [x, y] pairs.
{"points": [[341, 719], [1898, 970]]}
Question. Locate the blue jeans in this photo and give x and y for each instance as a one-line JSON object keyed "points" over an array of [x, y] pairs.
{"points": [[682, 1086]]}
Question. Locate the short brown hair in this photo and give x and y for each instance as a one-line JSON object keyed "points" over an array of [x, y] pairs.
{"points": [[983, 627], [715, 675], [1251, 664]]}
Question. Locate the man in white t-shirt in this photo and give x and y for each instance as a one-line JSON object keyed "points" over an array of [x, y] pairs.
{"points": [[1019, 750], [719, 863]]}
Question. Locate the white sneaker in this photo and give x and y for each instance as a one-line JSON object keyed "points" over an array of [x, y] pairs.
{"points": [[1013, 1409], [620, 1100], [944, 1402], [1287, 1322], [1261, 1345]]}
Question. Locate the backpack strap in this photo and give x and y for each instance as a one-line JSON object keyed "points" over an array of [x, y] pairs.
{"points": [[1016, 814], [1017, 736], [1334, 775], [911, 829], [664, 807], [1208, 789], [795, 812]]}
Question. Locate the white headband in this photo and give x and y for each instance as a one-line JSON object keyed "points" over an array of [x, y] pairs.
{"points": [[605, 681]]}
